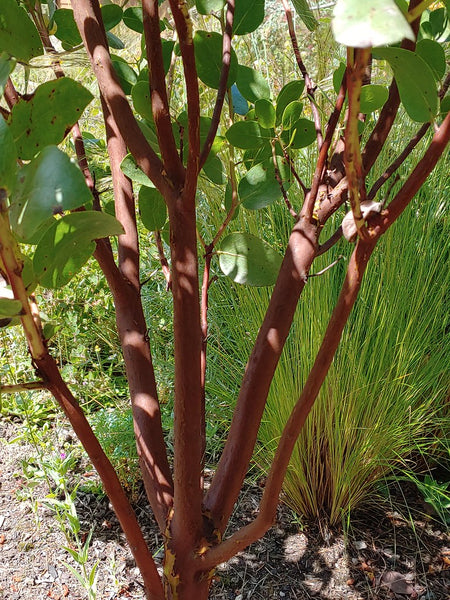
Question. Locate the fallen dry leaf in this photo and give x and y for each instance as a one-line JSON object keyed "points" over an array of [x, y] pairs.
{"points": [[396, 583]]}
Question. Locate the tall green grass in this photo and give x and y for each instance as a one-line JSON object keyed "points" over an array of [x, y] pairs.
{"points": [[384, 397]]}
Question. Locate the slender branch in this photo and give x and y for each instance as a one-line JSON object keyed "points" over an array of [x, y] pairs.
{"points": [[398, 161], [280, 183], [12, 97], [416, 12], [163, 260], [23, 387], [417, 178], [310, 204], [331, 241], [221, 92], [310, 87], [158, 91], [356, 65], [88, 18], [250, 533]]}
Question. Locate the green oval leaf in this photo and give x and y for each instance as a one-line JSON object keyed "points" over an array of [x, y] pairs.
{"points": [[251, 84], [142, 103], [259, 187], [214, 171], [112, 15], [204, 7], [114, 42], [152, 208], [248, 260], [369, 23], [248, 16], [305, 14], [10, 308], [54, 108], [302, 134], [208, 58], [372, 98], [18, 34], [246, 134], [133, 172], [66, 28], [434, 55], [67, 245], [265, 113], [338, 76], [133, 19], [8, 158], [291, 114], [48, 185], [415, 81], [290, 92], [127, 77]]}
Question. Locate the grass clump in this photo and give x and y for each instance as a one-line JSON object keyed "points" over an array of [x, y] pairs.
{"points": [[385, 393]]}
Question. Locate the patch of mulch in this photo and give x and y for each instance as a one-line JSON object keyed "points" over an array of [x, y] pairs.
{"points": [[385, 555]]}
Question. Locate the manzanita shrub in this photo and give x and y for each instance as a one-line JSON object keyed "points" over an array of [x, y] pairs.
{"points": [[227, 128]]}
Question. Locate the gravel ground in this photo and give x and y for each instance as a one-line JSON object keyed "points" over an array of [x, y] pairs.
{"points": [[384, 556]]}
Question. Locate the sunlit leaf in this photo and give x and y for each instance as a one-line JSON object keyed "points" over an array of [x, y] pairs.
{"points": [[301, 134], [46, 118], [372, 97], [248, 260], [260, 188], [66, 28], [204, 7], [133, 172], [48, 185], [305, 14], [111, 15], [132, 17], [434, 55], [338, 76], [415, 81], [246, 134], [252, 84], [292, 114], [68, 244], [18, 34], [208, 57], [290, 92], [248, 16], [369, 23], [9, 308], [265, 113]]}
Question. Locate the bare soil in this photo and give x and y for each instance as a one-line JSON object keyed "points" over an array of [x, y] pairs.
{"points": [[385, 554]]}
